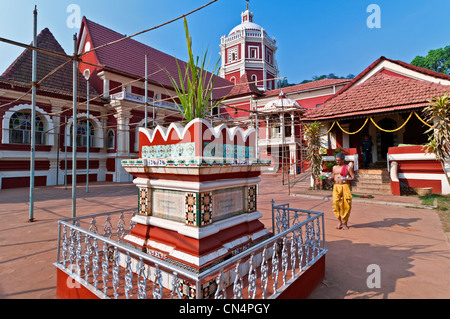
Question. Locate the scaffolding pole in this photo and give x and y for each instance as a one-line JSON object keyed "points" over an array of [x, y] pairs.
{"points": [[33, 116], [74, 129], [146, 91], [87, 75]]}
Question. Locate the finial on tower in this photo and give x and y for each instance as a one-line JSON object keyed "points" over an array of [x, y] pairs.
{"points": [[247, 16]]}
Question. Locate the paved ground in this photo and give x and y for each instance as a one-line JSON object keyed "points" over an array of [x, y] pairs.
{"points": [[408, 244]]}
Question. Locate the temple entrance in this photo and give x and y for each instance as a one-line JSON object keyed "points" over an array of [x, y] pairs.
{"points": [[386, 139]]}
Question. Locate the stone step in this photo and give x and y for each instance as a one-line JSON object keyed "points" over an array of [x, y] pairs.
{"points": [[372, 171], [376, 180], [371, 192], [372, 186], [372, 180]]}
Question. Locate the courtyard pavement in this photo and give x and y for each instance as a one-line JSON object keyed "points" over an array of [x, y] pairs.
{"points": [[402, 238]]}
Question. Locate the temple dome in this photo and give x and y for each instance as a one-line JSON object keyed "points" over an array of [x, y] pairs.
{"points": [[247, 25]]}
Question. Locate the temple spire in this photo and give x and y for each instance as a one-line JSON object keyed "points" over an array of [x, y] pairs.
{"points": [[247, 16]]}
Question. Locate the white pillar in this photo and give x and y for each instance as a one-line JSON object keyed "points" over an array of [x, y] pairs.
{"points": [[282, 125], [292, 127], [123, 142], [345, 136], [53, 158]]}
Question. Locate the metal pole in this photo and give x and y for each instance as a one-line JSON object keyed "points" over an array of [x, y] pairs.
{"points": [[153, 111], [33, 116], [74, 129], [273, 217], [282, 141], [87, 142], [65, 153], [57, 154], [87, 74], [146, 92], [289, 165]]}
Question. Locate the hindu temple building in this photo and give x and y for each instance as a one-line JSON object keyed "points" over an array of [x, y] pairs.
{"points": [[249, 61], [385, 102], [117, 92], [117, 100], [53, 122], [383, 96]]}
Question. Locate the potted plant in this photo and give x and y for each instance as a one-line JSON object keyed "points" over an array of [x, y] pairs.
{"points": [[195, 84]]}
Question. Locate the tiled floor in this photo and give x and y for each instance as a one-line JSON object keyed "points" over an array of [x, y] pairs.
{"points": [[407, 244]]}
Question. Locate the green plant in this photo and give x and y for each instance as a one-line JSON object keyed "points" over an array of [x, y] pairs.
{"points": [[439, 112], [338, 150], [330, 165], [312, 135], [195, 86], [438, 141]]}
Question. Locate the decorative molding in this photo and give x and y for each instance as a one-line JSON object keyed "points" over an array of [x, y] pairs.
{"points": [[48, 123]]}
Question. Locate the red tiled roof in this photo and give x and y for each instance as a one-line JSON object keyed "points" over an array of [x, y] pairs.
{"points": [[128, 56], [307, 86], [380, 93], [244, 86], [398, 62], [61, 82]]}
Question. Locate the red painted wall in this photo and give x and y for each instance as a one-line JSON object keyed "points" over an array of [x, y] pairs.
{"points": [[388, 72], [17, 182], [236, 75], [313, 102]]}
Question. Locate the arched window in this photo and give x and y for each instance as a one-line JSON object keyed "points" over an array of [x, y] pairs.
{"points": [[110, 139], [20, 129], [254, 78], [82, 133]]}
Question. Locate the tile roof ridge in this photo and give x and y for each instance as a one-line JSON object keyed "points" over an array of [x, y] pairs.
{"points": [[44, 35]]}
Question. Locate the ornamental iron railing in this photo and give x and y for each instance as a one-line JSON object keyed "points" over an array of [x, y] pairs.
{"points": [[97, 258]]}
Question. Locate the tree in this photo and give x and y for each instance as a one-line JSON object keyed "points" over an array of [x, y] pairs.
{"points": [[439, 139], [329, 76], [436, 60]]}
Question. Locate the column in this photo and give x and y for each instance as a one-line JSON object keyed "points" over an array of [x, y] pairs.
{"points": [[345, 136], [293, 158], [282, 125], [292, 127], [123, 142], [55, 175]]}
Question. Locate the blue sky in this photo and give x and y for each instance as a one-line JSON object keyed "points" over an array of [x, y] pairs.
{"points": [[314, 37]]}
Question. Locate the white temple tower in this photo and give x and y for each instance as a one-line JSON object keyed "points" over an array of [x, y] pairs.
{"points": [[249, 49]]}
